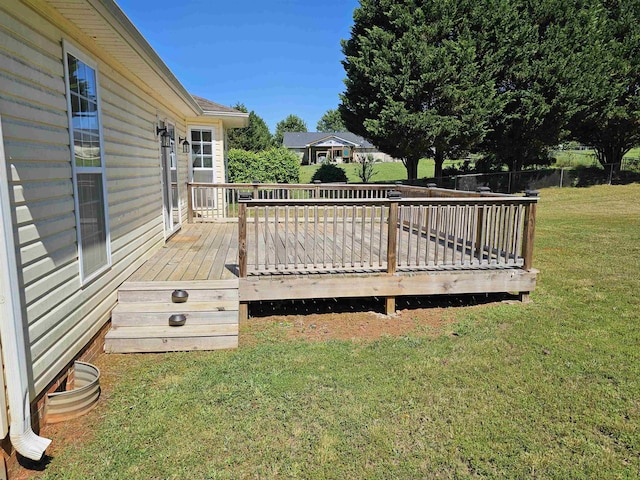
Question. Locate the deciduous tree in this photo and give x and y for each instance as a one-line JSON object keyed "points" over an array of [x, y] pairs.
{"points": [[331, 121], [292, 123]]}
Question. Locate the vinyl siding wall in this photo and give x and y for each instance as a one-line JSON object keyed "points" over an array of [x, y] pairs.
{"points": [[62, 314]]}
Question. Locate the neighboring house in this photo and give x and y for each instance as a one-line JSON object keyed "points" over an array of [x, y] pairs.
{"points": [[339, 147], [93, 179]]}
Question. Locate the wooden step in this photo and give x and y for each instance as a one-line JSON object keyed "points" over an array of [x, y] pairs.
{"points": [[157, 307], [170, 339], [140, 321], [199, 291], [123, 318]]}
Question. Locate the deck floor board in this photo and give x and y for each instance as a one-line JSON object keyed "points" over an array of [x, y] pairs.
{"points": [[209, 251]]}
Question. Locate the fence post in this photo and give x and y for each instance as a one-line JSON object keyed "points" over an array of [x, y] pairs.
{"points": [[189, 203], [316, 189], [243, 311], [255, 188], [392, 245]]}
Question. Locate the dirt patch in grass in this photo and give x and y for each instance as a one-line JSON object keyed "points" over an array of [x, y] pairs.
{"points": [[340, 326], [353, 319]]}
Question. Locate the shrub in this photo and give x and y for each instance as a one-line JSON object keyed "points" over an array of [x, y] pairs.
{"points": [[329, 173], [365, 168], [275, 165], [282, 165]]}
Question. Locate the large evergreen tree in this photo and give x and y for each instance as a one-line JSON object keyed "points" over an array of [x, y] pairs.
{"points": [[414, 85], [331, 121], [607, 91], [292, 123], [254, 138], [528, 49]]}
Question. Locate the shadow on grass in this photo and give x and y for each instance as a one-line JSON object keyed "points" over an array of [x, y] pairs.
{"points": [[370, 304]]}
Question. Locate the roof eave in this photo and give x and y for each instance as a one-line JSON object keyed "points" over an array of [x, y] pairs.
{"points": [[124, 23], [229, 119]]}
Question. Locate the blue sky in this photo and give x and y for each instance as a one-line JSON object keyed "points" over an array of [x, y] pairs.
{"points": [[275, 56]]}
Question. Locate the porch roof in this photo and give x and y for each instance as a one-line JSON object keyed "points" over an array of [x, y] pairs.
{"points": [[316, 139]]}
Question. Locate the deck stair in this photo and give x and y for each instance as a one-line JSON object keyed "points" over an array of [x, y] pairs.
{"points": [[140, 321]]}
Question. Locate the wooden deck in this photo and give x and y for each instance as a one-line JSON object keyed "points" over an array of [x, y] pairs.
{"points": [[201, 251], [338, 242], [209, 251]]}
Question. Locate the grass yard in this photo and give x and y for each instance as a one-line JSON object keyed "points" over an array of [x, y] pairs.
{"points": [[550, 389], [385, 172]]}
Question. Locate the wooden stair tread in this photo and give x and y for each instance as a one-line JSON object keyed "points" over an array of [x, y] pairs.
{"points": [[181, 285], [164, 296], [161, 307], [168, 344], [173, 332], [122, 319]]}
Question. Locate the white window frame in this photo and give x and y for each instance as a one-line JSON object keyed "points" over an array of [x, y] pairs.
{"points": [[67, 50], [214, 140], [173, 167]]}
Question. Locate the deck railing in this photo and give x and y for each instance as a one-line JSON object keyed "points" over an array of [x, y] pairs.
{"points": [[214, 202], [315, 235]]}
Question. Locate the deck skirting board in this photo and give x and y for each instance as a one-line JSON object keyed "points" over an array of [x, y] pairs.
{"points": [[373, 285]]}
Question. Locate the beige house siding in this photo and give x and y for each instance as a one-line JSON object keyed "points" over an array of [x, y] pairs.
{"points": [[62, 314]]}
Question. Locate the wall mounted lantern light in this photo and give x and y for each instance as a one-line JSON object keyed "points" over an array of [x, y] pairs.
{"points": [[165, 136], [185, 145]]}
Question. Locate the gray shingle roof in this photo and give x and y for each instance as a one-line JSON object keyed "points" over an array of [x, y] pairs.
{"points": [[209, 106], [304, 139]]}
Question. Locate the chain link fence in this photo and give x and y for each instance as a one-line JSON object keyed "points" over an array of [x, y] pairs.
{"points": [[511, 182]]}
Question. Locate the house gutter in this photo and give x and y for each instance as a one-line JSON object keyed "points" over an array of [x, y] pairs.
{"points": [[23, 438]]}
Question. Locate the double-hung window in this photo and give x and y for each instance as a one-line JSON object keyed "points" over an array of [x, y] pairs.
{"points": [[87, 152], [202, 158]]}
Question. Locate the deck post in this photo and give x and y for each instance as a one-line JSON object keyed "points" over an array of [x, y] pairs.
{"points": [[527, 242], [243, 308], [316, 189], [392, 245], [255, 188], [189, 203], [529, 229]]}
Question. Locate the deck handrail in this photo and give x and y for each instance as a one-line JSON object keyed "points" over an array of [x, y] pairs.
{"points": [[219, 201], [348, 235]]}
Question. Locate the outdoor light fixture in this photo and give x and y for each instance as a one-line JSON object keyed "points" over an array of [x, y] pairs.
{"points": [[165, 137], [185, 144]]}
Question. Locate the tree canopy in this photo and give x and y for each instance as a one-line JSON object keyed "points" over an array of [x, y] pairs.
{"points": [[414, 86], [254, 138], [607, 93], [505, 78], [292, 123], [331, 121]]}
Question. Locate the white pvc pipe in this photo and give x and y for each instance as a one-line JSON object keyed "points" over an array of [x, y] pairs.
{"points": [[23, 439]]}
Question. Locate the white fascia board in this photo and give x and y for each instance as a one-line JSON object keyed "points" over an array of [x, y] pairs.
{"points": [[131, 34]]}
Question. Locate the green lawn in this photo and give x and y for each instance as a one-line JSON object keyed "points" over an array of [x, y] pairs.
{"points": [[586, 158], [385, 172], [550, 389]]}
